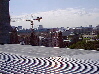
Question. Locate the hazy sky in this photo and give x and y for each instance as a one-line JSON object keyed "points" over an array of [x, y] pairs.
{"points": [[56, 13]]}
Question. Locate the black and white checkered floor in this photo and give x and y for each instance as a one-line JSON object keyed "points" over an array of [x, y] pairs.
{"points": [[11, 63]]}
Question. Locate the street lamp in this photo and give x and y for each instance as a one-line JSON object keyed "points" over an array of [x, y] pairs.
{"points": [[51, 39]]}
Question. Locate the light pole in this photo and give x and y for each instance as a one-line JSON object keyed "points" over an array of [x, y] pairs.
{"points": [[51, 39]]}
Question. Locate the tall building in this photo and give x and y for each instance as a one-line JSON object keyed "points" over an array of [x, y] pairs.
{"points": [[5, 27], [90, 26], [40, 27]]}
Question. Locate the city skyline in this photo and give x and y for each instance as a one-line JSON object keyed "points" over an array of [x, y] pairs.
{"points": [[61, 13]]}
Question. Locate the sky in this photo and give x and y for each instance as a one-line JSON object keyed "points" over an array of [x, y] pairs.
{"points": [[55, 13]]}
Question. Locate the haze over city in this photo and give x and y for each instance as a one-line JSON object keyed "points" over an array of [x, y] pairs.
{"points": [[55, 13]]}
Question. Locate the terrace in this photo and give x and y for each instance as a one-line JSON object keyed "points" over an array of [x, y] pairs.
{"points": [[21, 59]]}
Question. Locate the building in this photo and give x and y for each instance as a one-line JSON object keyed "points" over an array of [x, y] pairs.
{"points": [[89, 37], [40, 27], [5, 27], [19, 27]]}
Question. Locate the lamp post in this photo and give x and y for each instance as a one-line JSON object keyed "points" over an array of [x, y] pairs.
{"points": [[50, 39]]}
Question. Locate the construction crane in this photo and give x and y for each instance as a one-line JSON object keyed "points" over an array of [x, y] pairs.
{"points": [[23, 19], [38, 18]]}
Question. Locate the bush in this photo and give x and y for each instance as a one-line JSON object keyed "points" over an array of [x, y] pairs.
{"points": [[87, 46]]}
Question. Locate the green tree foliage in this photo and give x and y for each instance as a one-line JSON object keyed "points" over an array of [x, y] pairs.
{"points": [[91, 45]]}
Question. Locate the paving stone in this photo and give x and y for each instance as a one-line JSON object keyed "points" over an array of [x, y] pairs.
{"points": [[46, 64]]}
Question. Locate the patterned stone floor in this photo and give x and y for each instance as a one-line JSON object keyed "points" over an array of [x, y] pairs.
{"points": [[18, 59]]}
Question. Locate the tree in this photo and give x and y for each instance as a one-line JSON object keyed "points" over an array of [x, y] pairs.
{"points": [[91, 45]]}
